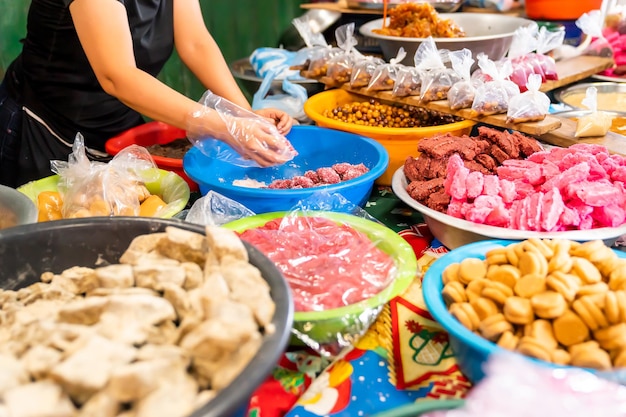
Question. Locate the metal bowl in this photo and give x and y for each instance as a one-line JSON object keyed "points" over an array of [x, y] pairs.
{"points": [[15, 208], [29, 250], [453, 232], [442, 6], [570, 95], [489, 33], [242, 70]]}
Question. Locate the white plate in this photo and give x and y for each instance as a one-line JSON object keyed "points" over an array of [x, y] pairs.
{"points": [[454, 232]]}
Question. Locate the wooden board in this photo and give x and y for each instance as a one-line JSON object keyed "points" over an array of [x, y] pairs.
{"points": [[576, 69], [535, 128], [564, 137]]}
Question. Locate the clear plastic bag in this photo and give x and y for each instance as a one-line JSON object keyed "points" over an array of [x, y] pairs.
{"points": [[363, 69], [384, 77], [291, 102], [116, 188], [591, 24], [523, 44], [437, 78], [546, 42], [596, 123], [253, 141], [408, 79], [214, 209], [311, 60], [530, 106], [493, 96], [339, 67], [461, 94]]}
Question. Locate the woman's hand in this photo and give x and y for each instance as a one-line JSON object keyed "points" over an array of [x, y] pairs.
{"points": [[282, 120], [259, 140]]}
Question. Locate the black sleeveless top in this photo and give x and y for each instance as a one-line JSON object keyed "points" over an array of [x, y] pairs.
{"points": [[53, 78]]}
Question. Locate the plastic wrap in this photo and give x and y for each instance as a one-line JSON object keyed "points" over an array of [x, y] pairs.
{"points": [[530, 106], [492, 97], [591, 24], [384, 76], [104, 189], [596, 123], [311, 60], [546, 42], [461, 94], [252, 140], [437, 78], [514, 387], [214, 209]]}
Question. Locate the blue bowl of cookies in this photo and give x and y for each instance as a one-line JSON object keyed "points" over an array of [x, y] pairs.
{"points": [[557, 302]]}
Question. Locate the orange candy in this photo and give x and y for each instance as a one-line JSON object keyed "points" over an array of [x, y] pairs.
{"points": [[49, 206], [151, 206]]}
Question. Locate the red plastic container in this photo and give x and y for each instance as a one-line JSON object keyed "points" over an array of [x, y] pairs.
{"points": [[559, 9], [152, 133]]}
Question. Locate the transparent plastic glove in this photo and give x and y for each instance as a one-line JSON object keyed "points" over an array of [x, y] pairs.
{"points": [[252, 140]]}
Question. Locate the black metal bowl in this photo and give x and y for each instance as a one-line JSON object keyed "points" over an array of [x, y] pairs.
{"points": [[27, 251]]}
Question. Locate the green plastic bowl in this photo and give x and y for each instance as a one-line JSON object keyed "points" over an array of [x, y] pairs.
{"points": [[327, 327], [171, 187], [419, 408]]}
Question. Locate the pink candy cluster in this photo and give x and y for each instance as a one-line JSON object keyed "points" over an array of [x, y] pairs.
{"points": [[580, 187]]}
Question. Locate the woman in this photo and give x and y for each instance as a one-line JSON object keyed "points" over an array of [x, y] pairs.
{"points": [[90, 67]]}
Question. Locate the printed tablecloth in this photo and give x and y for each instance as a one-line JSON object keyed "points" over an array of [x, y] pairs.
{"points": [[404, 357]]}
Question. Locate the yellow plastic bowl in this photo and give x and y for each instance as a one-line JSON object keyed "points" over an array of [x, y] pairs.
{"points": [[399, 142], [171, 187]]}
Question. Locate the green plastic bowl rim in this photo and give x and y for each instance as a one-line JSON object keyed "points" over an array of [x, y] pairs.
{"points": [[403, 255]]}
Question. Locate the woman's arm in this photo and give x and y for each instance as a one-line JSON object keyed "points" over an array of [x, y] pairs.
{"points": [[103, 30], [201, 54]]}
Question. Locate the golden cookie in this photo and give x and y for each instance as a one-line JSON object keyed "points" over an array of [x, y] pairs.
{"points": [[529, 285], [585, 270], [565, 284], [570, 329], [497, 291], [453, 292], [530, 346], [592, 289], [540, 246], [561, 357], [619, 361], [532, 262], [548, 305], [518, 310], [471, 269], [612, 337], [590, 313], [590, 344], [496, 256], [591, 358], [492, 327], [561, 261], [615, 306], [450, 273], [542, 330], [484, 307], [508, 341], [465, 314], [604, 255], [506, 274], [511, 254], [617, 278], [475, 288], [586, 249], [608, 265]]}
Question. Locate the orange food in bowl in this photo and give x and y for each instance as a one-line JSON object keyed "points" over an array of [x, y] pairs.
{"points": [[49, 206], [151, 206]]}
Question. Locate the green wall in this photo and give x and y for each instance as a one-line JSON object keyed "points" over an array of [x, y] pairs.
{"points": [[238, 26]]}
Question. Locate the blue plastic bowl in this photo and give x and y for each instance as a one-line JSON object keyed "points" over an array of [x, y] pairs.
{"points": [[317, 147], [471, 350]]}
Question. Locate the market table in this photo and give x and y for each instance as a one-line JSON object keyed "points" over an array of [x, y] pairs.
{"points": [[404, 357]]}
